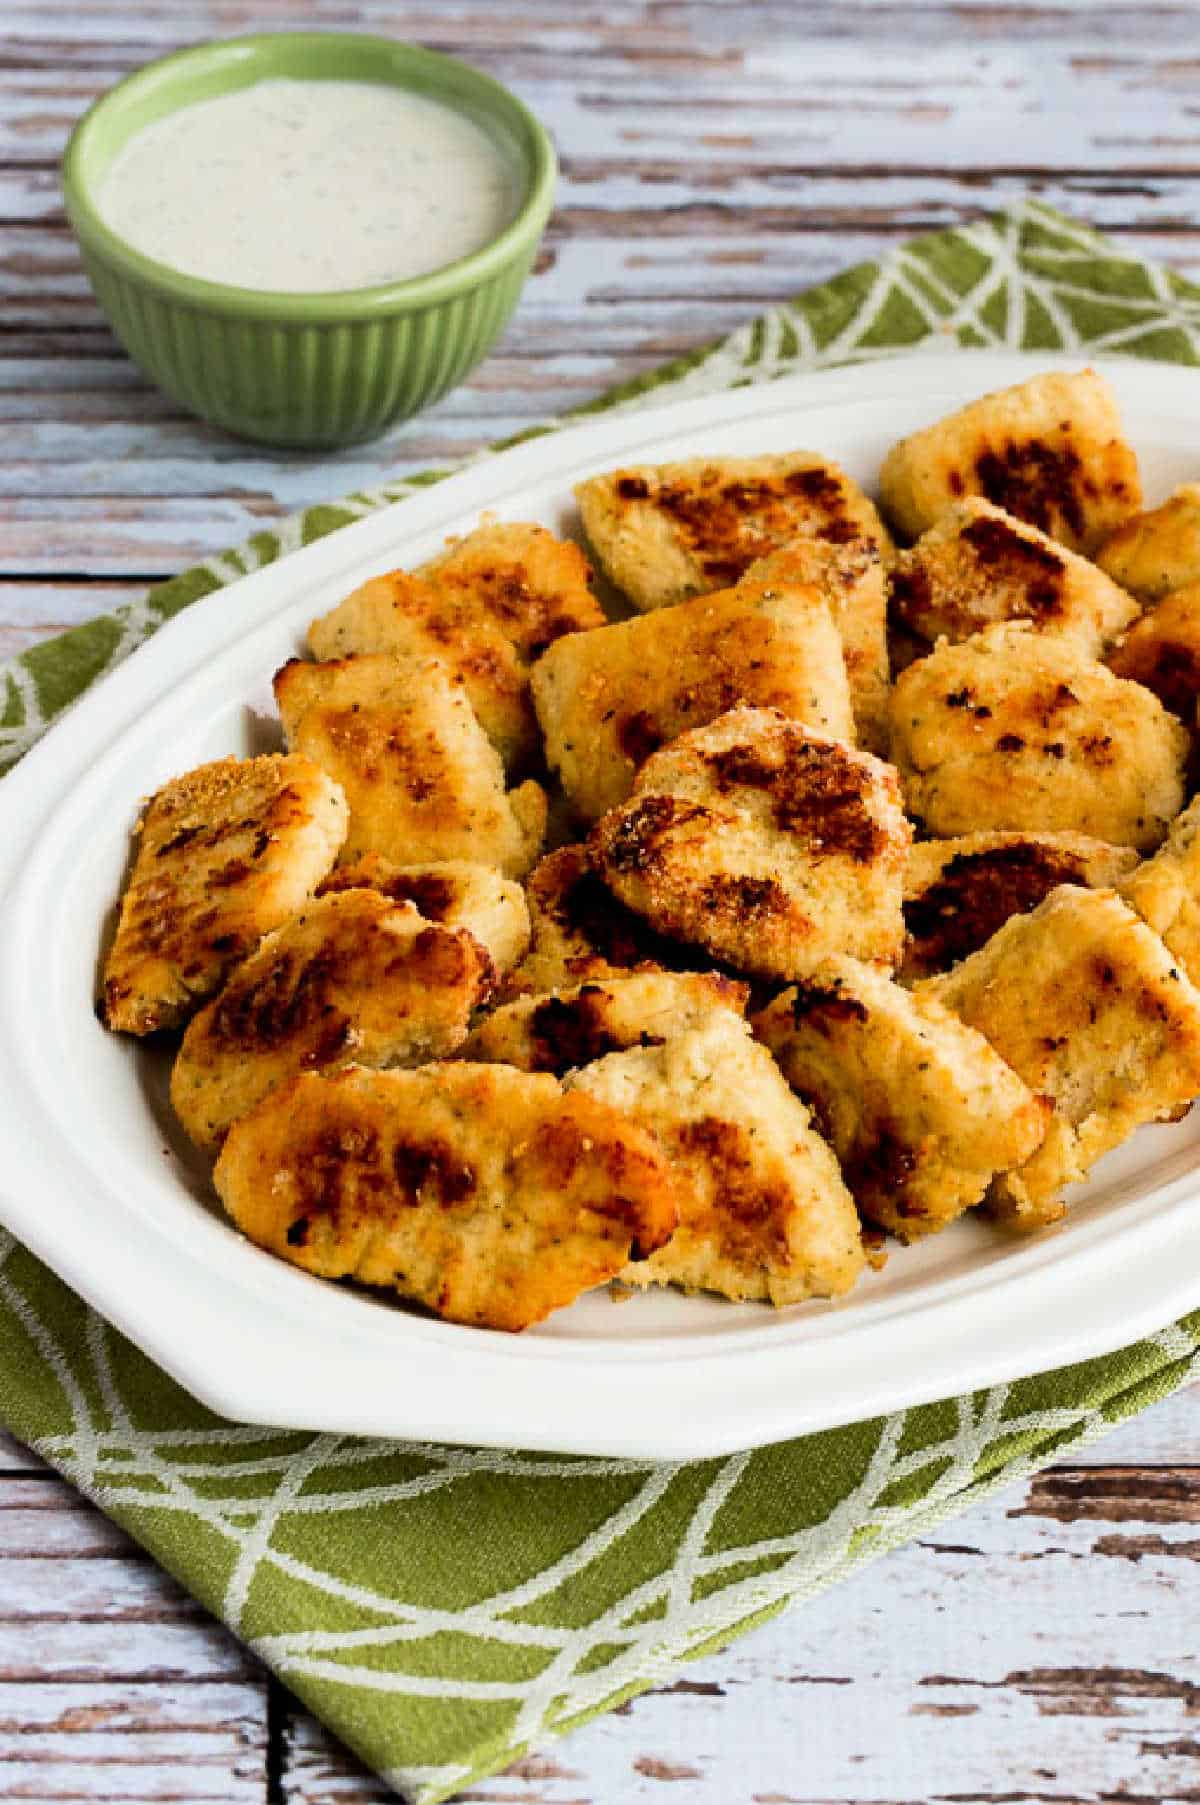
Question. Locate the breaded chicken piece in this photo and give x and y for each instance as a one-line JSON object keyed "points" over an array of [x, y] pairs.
{"points": [[483, 1193], [1091, 1010], [486, 609], [421, 777], [763, 1211], [456, 892], [958, 893], [520, 574], [767, 844], [850, 577], [225, 853], [579, 930], [1165, 890], [979, 565], [920, 1110], [353, 979], [1049, 451], [663, 532], [1157, 551], [608, 1015], [607, 700], [1011, 729], [1161, 651]]}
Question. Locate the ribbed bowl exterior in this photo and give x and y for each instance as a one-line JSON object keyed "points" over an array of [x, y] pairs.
{"points": [[306, 384]]}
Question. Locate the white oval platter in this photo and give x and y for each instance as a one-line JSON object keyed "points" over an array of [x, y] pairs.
{"points": [[99, 1183]]}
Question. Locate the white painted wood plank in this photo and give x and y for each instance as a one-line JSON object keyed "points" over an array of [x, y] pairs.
{"points": [[134, 1741]]}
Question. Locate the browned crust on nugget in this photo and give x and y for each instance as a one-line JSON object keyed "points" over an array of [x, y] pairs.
{"points": [[607, 700], [1159, 550], [958, 893], [764, 843], [458, 892], [422, 779], [1088, 1006], [1161, 651], [486, 609], [225, 853], [483, 1193], [1013, 730], [668, 531], [979, 565], [1049, 451], [919, 1109], [352, 979], [587, 1021]]}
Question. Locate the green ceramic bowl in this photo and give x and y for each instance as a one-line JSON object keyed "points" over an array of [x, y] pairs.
{"points": [[317, 369]]}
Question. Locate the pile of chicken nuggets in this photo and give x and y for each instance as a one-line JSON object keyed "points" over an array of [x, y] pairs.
{"points": [[848, 884]]}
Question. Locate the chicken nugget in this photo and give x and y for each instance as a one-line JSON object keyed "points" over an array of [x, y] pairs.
{"points": [[663, 532], [485, 609], [482, 1193], [456, 892], [920, 1110], [422, 778], [1161, 651], [1091, 1010], [1165, 890], [607, 1015], [1011, 729], [352, 980], [958, 893], [1049, 451], [579, 930], [763, 842], [517, 573], [763, 1211], [1159, 550], [979, 565], [225, 853], [850, 577], [607, 700]]}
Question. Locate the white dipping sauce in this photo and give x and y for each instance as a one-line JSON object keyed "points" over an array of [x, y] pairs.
{"points": [[310, 185]]}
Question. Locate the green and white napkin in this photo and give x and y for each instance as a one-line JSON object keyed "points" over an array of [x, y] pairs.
{"points": [[443, 1609]]}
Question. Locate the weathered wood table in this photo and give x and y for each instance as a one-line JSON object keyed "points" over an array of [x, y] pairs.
{"points": [[716, 157]]}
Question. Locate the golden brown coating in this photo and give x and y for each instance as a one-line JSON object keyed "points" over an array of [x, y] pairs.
{"points": [[979, 565], [1159, 550], [663, 532], [225, 853], [607, 1015], [607, 700], [485, 609], [483, 1193], [850, 577], [1050, 451], [1092, 1011], [1165, 890], [1011, 729], [422, 778], [456, 892], [579, 930], [958, 893], [1162, 652], [763, 1211], [353, 979], [920, 1110], [767, 844]]}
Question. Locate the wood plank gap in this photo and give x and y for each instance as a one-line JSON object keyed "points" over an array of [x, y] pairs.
{"points": [[279, 1719]]}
